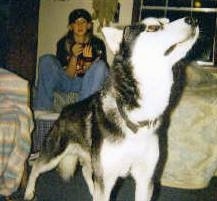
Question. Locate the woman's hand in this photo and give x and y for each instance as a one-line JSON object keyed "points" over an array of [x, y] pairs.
{"points": [[87, 51], [71, 68], [77, 49], [82, 63]]}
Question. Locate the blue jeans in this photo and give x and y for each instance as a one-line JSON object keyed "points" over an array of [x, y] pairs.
{"points": [[2, 198], [51, 78]]}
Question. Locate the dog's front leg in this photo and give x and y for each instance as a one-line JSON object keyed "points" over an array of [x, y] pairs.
{"points": [[144, 190], [143, 182], [87, 173], [102, 189], [98, 194]]}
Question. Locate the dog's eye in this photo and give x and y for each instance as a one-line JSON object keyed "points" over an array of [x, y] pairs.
{"points": [[153, 28]]}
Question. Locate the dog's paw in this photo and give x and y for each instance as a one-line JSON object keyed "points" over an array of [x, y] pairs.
{"points": [[29, 195]]}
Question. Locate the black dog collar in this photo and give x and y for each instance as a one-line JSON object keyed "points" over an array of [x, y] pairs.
{"points": [[134, 127]]}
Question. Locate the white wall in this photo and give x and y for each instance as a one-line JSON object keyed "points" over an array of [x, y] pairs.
{"points": [[53, 20]]}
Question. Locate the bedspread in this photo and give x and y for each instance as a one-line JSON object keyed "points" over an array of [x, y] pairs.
{"points": [[192, 133], [15, 128]]}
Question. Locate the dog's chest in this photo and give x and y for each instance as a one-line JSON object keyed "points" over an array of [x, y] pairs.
{"points": [[133, 150]]}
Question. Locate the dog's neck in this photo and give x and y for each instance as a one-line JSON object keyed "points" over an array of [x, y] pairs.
{"points": [[143, 95], [154, 86], [112, 105], [140, 102], [124, 83], [135, 126]]}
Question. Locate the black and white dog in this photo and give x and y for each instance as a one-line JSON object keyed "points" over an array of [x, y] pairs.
{"points": [[113, 133]]}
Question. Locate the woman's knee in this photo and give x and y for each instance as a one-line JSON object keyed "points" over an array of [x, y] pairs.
{"points": [[99, 68], [48, 62]]}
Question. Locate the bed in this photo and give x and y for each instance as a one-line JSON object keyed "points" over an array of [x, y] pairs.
{"points": [[192, 133], [16, 125]]}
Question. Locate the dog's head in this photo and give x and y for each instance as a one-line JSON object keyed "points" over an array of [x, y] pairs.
{"points": [[153, 40]]}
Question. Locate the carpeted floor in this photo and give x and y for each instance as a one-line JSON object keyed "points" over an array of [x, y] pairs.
{"points": [[50, 187]]}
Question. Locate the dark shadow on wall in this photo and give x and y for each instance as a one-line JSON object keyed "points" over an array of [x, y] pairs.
{"points": [[4, 11]]}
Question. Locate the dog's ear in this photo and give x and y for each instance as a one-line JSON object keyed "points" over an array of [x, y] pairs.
{"points": [[130, 32], [164, 20], [113, 38]]}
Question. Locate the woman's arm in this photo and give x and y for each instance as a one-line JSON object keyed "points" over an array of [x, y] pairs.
{"points": [[71, 69]]}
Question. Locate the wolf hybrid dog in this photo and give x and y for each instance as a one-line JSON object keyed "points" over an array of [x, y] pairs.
{"points": [[113, 133]]}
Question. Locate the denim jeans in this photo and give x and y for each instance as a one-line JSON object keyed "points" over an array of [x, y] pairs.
{"points": [[51, 78], [2, 198]]}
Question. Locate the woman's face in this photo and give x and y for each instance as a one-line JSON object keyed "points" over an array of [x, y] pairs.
{"points": [[80, 27]]}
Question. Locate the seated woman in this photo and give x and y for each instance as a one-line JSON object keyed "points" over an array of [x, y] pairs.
{"points": [[80, 64]]}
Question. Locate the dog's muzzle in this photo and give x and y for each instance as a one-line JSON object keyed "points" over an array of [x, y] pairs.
{"points": [[193, 22]]}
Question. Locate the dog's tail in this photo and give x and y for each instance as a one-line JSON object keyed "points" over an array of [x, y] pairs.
{"points": [[67, 166], [55, 144]]}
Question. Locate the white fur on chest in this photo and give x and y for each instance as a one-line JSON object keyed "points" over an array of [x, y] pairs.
{"points": [[138, 149], [154, 86], [154, 80]]}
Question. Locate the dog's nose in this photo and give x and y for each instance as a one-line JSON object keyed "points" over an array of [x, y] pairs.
{"points": [[191, 21]]}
